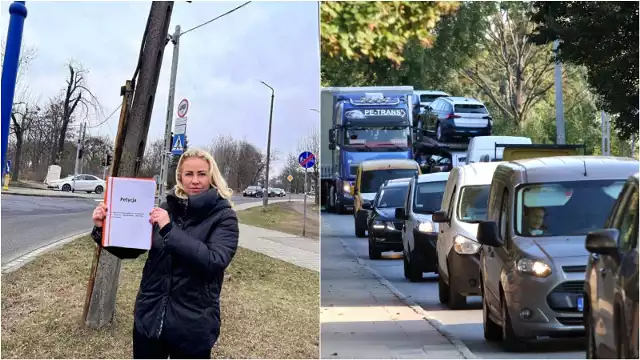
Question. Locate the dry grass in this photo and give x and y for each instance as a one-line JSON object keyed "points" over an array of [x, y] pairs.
{"points": [[283, 217], [269, 309]]}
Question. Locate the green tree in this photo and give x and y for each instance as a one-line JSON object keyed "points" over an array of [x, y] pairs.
{"points": [[602, 36], [377, 30]]}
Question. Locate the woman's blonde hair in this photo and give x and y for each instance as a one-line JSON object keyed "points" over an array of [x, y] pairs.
{"points": [[215, 176]]}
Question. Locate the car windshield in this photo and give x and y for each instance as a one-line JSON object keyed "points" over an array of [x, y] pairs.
{"points": [[472, 203], [565, 208], [429, 98], [392, 197], [427, 198], [470, 109], [372, 180], [380, 136]]}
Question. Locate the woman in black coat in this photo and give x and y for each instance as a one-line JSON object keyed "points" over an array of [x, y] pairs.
{"points": [[177, 310]]}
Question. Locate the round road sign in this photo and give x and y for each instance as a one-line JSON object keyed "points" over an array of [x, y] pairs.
{"points": [[183, 107], [307, 159]]}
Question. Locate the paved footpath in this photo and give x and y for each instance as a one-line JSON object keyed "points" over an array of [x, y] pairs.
{"points": [[360, 317]]}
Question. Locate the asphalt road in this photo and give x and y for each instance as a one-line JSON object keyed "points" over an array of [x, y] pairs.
{"points": [[30, 222], [465, 325]]}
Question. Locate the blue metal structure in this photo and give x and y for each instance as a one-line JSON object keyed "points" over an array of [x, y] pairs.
{"points": [[18, 12]]}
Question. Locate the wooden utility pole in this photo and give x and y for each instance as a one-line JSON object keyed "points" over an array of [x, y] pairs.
{"points": [[135, 116]]}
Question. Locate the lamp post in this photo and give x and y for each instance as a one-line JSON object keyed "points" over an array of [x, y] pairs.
{"points": [[18, 13], [265, 197]]}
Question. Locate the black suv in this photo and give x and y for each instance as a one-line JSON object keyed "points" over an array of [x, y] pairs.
{"points": [[385, 231]]}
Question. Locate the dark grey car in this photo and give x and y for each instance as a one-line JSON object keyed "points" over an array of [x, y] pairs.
{"points": [[611, 288]]}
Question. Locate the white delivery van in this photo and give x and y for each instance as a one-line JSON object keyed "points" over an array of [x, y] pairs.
{"points": [[486, 145]]}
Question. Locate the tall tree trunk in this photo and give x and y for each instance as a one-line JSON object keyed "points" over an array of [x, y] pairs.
{"points": [[18, 156]]}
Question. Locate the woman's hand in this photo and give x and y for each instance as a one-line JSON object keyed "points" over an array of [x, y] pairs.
{"points": [[99, 214], [159, 216]]}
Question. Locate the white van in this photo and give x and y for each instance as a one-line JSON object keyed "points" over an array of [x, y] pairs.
{"points": [[464, 205], [486, 145]]}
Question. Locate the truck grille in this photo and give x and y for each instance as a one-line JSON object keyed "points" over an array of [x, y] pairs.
{"points": [[564, 297], [571, 321]]}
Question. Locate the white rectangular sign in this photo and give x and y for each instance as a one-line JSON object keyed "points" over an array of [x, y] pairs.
{"points": [[129, 202], [180, 126]]}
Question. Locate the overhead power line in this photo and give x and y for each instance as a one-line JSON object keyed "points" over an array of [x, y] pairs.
{"points": [[215, 18], [108, 117]]}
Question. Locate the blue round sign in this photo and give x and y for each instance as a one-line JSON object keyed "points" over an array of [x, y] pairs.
{"points": [[307, 159]]}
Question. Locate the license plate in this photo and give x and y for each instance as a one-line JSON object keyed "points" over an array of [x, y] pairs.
{"points": [[580, 302]]}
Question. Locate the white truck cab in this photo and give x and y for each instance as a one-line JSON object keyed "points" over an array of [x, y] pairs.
{"points": [[480, 146]]}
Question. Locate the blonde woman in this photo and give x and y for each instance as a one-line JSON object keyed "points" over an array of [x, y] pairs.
{"points": [[177, 310]]}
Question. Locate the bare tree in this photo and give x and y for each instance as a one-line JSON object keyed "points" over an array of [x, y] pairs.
{"points": [[152, 158], [23, 116], [77, 100], [511, 71]]}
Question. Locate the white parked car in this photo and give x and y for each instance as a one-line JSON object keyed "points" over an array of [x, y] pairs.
{"points": [[83, 182]]}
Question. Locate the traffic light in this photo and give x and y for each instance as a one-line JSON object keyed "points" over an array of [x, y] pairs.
{"points": [[109, 158]]}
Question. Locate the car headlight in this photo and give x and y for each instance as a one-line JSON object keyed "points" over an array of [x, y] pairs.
{"points": [[381, 225], [533, 267], [465, 246], [346, 187], [426, 226]]}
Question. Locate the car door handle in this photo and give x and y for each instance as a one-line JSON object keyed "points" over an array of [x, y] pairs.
{"points": [[491, 253], [603, 271]]}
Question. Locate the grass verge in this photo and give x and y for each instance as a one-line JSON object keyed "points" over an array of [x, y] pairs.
{"points": [[42, 305], [283, 217]]}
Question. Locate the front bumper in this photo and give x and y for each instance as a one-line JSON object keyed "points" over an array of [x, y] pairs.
{"points": [[551, 302], [387, 239], [464, 273], [424, 253]]}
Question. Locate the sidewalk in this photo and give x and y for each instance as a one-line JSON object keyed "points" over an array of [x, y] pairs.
{"points": [[297, 250], [362, 318]]}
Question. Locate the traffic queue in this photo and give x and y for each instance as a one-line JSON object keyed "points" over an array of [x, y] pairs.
{"points": [[549, 243]]}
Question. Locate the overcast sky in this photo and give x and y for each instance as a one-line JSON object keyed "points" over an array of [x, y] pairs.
{"points": [[220, 68]]}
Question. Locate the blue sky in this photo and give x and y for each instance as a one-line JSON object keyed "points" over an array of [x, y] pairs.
{"points": [[220, 68]]}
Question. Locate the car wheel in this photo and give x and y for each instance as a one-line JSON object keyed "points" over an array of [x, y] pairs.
{"points": [[492, 331], [439, 134], [443, 290], [374, 252], [66, 187], [415, 273], [405, 264], [360, 224], [99, 189], [456, 301], [509, 339]]}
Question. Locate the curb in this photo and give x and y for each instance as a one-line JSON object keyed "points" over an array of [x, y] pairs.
{"points": [[48, 195], [22, 260], [459, 345]]}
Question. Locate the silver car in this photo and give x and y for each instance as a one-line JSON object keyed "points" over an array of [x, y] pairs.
{"points": [[533, 258]]}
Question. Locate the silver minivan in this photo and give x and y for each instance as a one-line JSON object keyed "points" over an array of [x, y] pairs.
{"points": [[533, 258]]}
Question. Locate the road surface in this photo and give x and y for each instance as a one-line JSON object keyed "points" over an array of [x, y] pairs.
{"points": [[30, 222], [465, 325]]}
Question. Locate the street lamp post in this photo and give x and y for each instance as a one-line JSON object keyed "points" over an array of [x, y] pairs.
{"points": [[18, 13], [265, 197]]}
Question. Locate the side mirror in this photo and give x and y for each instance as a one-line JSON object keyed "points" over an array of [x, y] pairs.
{"points": [[332, 146], [332, 136], [488, 234], [401, 214], [366, 205], [603, 242], [439, 217]]}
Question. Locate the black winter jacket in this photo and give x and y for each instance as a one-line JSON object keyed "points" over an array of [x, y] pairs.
{"points": [[182, 278]]}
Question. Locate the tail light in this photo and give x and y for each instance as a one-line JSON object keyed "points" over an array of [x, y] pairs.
{"points": [[453, 116], [487, 117]]}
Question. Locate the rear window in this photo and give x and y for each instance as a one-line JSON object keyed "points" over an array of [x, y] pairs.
{"points": [[471, 109], [429, 98]]}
